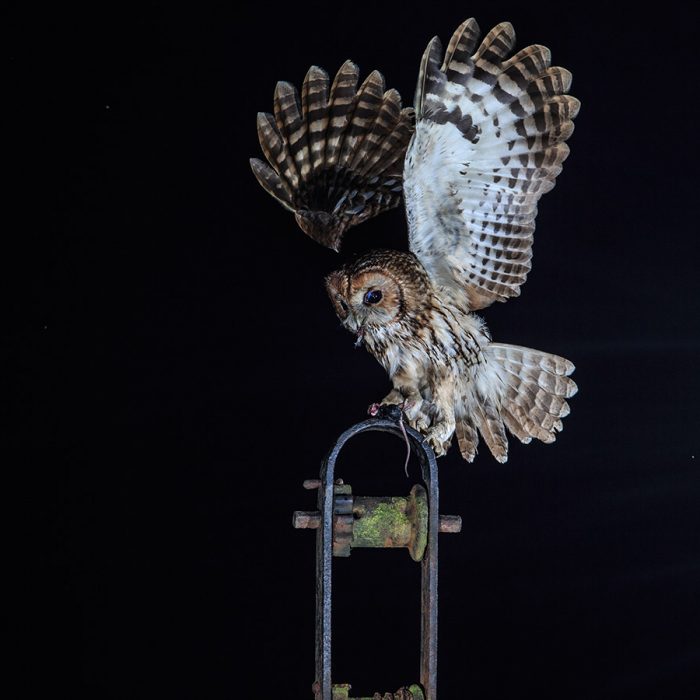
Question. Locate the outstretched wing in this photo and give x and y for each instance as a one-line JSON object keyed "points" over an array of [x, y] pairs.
{"points": [[334, 160], [489, 142]]}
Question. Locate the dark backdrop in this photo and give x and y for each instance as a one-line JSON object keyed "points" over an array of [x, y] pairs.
{"points": [[178, 370]]}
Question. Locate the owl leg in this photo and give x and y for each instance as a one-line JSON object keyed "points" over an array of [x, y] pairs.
{"points": [[415, 410], [414, 407], [439, 436], [393, 398]]}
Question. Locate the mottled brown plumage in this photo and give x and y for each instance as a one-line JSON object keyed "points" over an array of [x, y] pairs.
{"points": [[446, 372], [489, 140]]}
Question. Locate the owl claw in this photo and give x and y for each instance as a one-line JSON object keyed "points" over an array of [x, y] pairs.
{"points": [[439, 448], [439, 437], [373, 409], [421, 424]]}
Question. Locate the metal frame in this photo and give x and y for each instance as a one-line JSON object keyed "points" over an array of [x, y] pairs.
{"points": [[388, 421]]}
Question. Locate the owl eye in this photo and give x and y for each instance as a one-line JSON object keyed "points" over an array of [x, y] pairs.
{"points": [[343, 305], [373, 297]]}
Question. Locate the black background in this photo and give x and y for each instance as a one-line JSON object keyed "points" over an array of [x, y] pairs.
{"points": [[178, 370]]}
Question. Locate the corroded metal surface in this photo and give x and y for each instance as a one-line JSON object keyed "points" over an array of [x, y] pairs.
{"points": [[381, 521], [414, 692], [376, 521], [342, 520]]}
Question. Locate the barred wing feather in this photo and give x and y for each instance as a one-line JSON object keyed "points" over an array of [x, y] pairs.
{"points": [[334, 157], [489, 142]]}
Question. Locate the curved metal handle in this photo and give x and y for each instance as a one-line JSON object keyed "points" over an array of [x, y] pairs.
{"points": [[388, 420]]}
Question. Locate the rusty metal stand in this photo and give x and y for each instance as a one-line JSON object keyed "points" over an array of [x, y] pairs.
{"points": [[344, 522]]}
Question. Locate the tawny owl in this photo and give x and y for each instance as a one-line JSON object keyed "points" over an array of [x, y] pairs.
{"points": [[486, 141]]}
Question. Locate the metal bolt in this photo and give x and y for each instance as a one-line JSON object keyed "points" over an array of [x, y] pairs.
{"points": [[306, 520], [311, 484], [450, 523]]}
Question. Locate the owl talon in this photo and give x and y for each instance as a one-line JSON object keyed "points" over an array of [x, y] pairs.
{"points": [[439, 448], [413, 409], [439, 437], [373, 409], [421, 424], [436, 445]]}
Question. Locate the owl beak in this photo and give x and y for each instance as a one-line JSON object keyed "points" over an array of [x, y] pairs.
{"points": [[360, 336]]}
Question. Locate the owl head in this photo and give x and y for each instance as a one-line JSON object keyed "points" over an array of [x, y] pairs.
{"points": [[378, 290]]}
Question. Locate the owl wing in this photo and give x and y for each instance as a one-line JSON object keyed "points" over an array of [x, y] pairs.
{"points": [[334, 159], [489, 141]]}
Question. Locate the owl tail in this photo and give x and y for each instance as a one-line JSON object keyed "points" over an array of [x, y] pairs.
{"points": [[520, 389]]}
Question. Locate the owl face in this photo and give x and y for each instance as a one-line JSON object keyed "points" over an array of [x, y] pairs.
{"points": [[365, 300], [384, 289]]}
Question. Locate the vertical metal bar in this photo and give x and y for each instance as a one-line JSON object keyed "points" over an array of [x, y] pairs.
{"points": [[324, 562], [429, 579]]}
